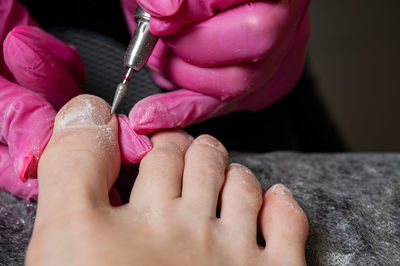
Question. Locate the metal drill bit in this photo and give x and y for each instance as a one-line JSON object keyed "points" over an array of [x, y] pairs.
{"points": [[139, 50], [121, 90]]}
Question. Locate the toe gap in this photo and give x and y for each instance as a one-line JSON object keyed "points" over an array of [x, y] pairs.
{"points": [[124, 182], [218, 210], [260, 239]]}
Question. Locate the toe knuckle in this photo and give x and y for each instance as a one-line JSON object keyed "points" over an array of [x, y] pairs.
{"points": [[251, 194], [211, 171]]}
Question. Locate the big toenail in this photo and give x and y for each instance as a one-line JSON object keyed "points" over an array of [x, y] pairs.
{"points": [[83, 111], [208, 140], [280, 189]]}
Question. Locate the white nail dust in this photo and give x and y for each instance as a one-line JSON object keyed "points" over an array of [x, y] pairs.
{"points": [[280, 189], [83, 112], [106, 133]]}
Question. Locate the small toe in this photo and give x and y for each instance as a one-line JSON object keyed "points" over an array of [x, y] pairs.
{"points": [[240, 203], [284, 226], [204, 175], [161, 170]]}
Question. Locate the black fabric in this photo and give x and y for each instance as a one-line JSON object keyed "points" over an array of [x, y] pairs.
{"points": [[101, 16]]}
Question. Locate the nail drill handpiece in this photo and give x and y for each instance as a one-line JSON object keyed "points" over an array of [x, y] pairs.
{"points": [[139, 50]]}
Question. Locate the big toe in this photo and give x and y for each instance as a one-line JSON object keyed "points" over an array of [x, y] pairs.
{"points": [[284, 226], [82, 157]]}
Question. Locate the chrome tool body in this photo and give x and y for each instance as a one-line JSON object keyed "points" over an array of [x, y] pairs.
{"points": [[139, 51]]}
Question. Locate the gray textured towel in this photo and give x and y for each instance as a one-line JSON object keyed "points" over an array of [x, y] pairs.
{"points": [[352, 202]]}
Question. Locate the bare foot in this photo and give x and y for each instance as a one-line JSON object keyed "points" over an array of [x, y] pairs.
{"points": [[171, 217]]}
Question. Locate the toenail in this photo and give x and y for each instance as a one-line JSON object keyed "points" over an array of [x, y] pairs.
{"points": [[236, 166], [83, 111], [208, 140], [280, 189]]}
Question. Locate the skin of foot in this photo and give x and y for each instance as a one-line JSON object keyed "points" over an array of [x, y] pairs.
{"points": [[187, 207]]}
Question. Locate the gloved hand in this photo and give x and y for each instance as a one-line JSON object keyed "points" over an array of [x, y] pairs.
{"points": [[219, 56], [39, 74]]}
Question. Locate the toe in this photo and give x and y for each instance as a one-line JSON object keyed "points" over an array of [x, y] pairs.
{"points": [[204, 174], [161, 170], [284, 226], [241, 200], [82, 157]]}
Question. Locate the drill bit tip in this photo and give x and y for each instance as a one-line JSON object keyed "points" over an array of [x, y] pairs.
{"points": [[119, 95], [122, 88]]}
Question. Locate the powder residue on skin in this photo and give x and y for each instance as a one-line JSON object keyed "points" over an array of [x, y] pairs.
{"points": [[106, 135], [88, 112]]}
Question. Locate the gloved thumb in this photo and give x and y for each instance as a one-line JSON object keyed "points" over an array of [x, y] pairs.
{"points": [[174, 109]]}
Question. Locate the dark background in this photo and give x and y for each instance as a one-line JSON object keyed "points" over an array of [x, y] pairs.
{"points": [[355, 56]]}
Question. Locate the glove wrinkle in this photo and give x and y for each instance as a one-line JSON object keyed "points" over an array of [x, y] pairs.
{"points": [[133, 147]]}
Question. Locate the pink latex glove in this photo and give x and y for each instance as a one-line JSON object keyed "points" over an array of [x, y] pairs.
{"points": [[219, 56], [48, 73]]}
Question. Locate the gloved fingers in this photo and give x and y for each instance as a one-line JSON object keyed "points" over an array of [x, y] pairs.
{"points": [[44, 64], [184, 107], [12, 13], [230, 81], [246, 33], [66, 53], [224, 82], [174, 109], [26, 124], [158, 63], [170, 16], [9, 180], [133, 147], [284, 80]]}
